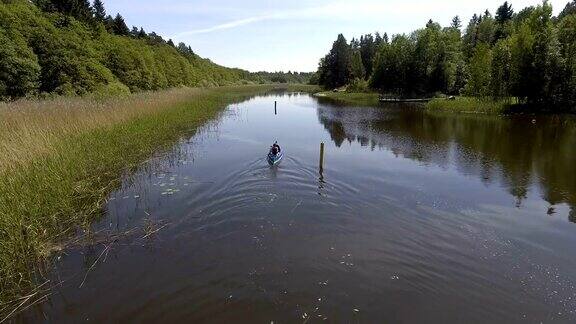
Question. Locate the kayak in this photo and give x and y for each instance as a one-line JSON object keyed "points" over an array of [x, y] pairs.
{"points": [[275, 159]]}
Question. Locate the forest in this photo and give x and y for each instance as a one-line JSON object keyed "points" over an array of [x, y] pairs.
{"points": [[73, 47], [526, 57]]}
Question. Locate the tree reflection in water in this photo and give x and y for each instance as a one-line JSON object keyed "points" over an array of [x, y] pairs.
{"points": [[517, 151]]}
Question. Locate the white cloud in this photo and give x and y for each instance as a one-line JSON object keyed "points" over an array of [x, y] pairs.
{"points": [[369, 9], [228, 25]]}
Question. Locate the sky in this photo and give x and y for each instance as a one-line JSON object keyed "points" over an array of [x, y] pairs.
{"points": [[267, 35]]}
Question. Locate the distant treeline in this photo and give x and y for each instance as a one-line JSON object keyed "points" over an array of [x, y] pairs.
{"points": [[283, 77], [529, 55], [72, 47]]}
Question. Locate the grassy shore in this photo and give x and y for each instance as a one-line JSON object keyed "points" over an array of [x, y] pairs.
{"points": [[470, 105], [60, 158], [459, 105], [362, 99], [307, 88]]}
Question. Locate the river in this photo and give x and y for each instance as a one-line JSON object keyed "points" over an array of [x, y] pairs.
{"points": [[416, 218]]}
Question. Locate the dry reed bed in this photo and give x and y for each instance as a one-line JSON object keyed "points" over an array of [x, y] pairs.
{"points": [[60, 159], [28, 128]]}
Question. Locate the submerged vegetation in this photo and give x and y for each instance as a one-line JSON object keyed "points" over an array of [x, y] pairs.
{"points": [[85, 100], [352, 98], [61, 157], [471, 105], [71, 47], [526, 57]]}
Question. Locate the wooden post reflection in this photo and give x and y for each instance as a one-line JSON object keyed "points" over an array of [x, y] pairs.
{"points": [[321, 157]]}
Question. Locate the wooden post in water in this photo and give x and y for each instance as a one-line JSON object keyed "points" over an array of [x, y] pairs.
{"points": [[275, 111], [321, 157]]}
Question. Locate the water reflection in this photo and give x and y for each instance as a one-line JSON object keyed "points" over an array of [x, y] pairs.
{"points": [[396, 221], [516, 151]]}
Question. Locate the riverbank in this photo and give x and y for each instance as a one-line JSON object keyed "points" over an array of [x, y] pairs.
{"points": [[458, 105], [470, 105], [62, 157], [351, 98], [307, 88]]}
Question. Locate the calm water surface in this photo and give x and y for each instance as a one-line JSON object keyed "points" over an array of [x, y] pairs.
{"points": [[416, 218]]}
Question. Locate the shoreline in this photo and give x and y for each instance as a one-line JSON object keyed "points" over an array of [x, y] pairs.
{"points": [[65, 155], [353, 98], [459, 105]]}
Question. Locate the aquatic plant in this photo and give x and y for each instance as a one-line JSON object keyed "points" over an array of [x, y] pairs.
{"points": [[61, 157]]}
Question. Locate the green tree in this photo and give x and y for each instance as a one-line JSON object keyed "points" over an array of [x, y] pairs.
{"points": [[504, 16], [356, 66], [456, 23], [44, 52], [79, 9], [529, 55], [385, 40], [378, 40], [486, 29], [567, 40], [500, 70], [393, 66], [536, 58], [19, 68], [455, 65], [142, 33], [335, 68], [522, 16], [99, 10], [119, 26], [521, 46], [109, 24], [504, 13], [570, 9], [470, 38], [368, 48], [479, 79]]}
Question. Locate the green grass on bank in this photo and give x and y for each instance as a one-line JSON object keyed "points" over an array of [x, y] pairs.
{"points": [[353, 98], [459, 105], [61, 158], [298, 87], [469, 105]]}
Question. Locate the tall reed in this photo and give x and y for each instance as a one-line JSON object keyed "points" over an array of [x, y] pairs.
{"points": [[61, 157]]}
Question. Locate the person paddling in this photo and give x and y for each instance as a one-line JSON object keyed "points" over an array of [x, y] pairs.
{"points": [[275, 148]]}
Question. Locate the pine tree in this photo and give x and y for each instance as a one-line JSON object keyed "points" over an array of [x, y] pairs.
{"points": [[378, 39], [367, 51], [504, 13], [568, 10], [504, 16], [356, 67], [335, 68], [83, 10], [470, 38], [109, 23], [142, 33], [99, 10], [385, 39], [456, 23], [120, 27], [79, 9]]}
